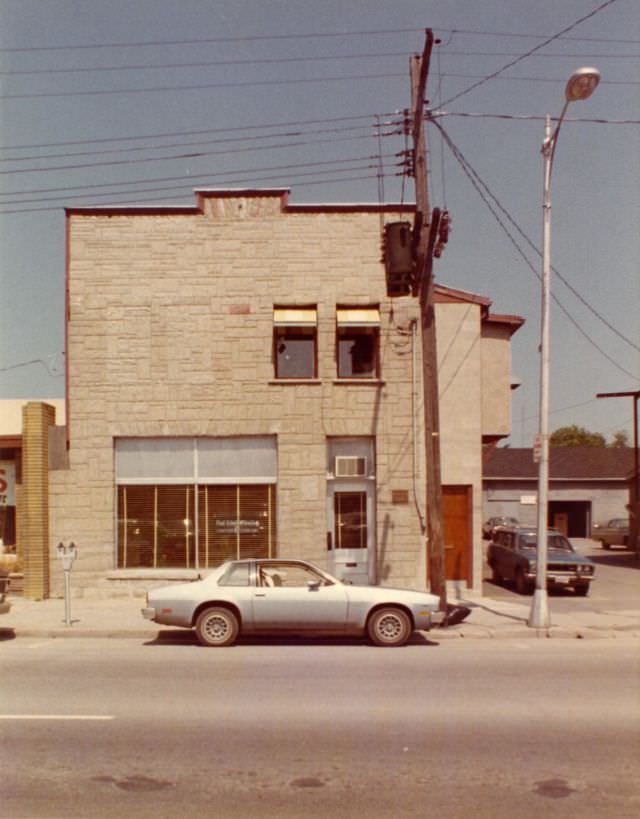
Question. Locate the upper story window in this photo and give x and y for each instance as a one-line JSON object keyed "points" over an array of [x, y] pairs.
{"points": [[358, 342], [295, 334]]}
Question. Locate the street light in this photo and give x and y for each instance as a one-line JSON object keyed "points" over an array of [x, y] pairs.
{"points": [[580, 86]]}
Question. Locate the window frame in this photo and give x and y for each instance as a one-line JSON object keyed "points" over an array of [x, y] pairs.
{"points": [[351, 323], [297, 322]]}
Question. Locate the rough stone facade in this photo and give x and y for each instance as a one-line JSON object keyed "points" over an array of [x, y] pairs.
{"points": [[170, 333]]}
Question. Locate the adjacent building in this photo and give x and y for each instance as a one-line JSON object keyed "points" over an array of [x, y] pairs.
{"points": [[587, 485]]}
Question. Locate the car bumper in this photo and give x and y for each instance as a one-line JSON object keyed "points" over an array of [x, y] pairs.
{"points": [[425, 620], [148, 613], [561, 579]]}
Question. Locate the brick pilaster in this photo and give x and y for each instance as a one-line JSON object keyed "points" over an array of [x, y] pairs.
{"points": [[37, 417]]}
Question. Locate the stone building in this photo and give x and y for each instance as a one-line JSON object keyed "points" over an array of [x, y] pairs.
{"points": [[238, 384]]}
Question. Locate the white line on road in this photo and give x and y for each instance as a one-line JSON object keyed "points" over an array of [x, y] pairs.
{"points": [[56, 716]]}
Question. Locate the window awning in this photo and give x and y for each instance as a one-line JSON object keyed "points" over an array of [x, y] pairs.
{"points": [[358, 316], [295, 316]]}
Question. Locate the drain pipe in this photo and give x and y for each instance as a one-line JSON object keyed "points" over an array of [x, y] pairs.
{"points": [[414, 425]]}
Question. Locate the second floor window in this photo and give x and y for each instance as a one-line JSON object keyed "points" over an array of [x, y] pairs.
{"points": [[294, 339], [358, 332]]}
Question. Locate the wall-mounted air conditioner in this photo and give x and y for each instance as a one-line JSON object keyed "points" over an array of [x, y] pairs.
{"points": [[350, 466]]}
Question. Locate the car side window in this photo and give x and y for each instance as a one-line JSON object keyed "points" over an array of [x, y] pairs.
{"points": [[237, 575], [289, 575]]}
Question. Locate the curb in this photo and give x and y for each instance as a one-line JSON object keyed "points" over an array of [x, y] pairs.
{"points": [[469, 632]]}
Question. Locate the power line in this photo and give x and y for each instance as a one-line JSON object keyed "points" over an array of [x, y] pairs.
{"points": [[529, 53], [287, 168], [295, 81], [219, 141], [94, 69], [136, 198], [531, 117], [182, 156], [480, 187], [203, 87], [209, 40], [171, 134], [305, 35]]}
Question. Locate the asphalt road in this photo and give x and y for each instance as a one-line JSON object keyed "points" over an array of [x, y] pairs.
{"points": [[616, 586], [482, 728]]}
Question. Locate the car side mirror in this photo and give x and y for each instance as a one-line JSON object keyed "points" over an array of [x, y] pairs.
{"points": [[313, 585]]}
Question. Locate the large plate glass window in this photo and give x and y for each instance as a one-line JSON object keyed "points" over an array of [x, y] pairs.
{"points": [[295, 331], [358, 341], [195, 502]]}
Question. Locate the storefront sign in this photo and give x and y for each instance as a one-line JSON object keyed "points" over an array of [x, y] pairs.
{"points": [[7, 483], [233, 526]]}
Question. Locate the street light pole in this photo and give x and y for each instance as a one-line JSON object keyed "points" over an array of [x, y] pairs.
{"points": [[581, 85]]}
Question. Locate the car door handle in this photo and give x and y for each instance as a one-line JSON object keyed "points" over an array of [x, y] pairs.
{"points": [[260, 594]]}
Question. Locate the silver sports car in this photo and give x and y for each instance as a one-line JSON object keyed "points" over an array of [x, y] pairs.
{"points": [[290, 596]]}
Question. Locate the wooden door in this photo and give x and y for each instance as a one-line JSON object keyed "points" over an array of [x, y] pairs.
{"points": [[458, 540]]}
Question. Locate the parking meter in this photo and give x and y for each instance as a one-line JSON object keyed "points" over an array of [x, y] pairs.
{"points": [[67, 554]]}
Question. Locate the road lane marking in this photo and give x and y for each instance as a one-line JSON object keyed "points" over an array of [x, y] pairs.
{"points": [[56, 716]]}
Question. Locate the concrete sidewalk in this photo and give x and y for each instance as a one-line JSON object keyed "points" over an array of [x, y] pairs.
{"points": [[489, 618]]}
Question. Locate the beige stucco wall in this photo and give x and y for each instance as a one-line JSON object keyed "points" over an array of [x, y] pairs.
{"points": [[496, 379]]}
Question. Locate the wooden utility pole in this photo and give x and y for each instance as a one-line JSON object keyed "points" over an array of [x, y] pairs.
{"points": [[425, 230]]}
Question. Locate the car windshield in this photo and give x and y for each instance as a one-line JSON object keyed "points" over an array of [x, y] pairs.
{"points": [[556, 542]]}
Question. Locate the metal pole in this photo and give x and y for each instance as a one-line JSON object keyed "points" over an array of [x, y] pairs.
{"points": [[67, 597], [539, 617]]}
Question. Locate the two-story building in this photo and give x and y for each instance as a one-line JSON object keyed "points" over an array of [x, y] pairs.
{"points": [[239, 384]]}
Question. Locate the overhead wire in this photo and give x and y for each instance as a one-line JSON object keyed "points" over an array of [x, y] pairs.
{"points": [[234, 172], [519, 59], [96, 69], [301, 35], [481, 187]]}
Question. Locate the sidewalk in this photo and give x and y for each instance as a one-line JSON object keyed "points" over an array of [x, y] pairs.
{"points": [[489, 618]]}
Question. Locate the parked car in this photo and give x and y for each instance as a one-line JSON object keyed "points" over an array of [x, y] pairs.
{"points": [[5, 605], [291, 597], [614, 532], [489, 525], [512, 557]]}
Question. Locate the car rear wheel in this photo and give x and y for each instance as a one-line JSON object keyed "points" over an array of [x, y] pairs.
{"points": [[217, 626], [389, 627], [496, 577]]}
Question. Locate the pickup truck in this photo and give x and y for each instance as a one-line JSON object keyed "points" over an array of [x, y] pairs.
{"points": [[614, 532]]}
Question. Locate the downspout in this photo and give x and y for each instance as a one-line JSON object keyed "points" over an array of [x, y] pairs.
{"points": [[417, 493]]}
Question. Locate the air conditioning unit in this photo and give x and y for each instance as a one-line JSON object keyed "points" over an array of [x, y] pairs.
{"points": [[350, 466]]}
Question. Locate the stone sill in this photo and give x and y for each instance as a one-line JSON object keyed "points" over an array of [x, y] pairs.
{"points": [[288, 382], [359, 382]]}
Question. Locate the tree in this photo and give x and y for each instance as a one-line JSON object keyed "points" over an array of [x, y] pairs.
{"points": [[620, 439], [576, 436]]}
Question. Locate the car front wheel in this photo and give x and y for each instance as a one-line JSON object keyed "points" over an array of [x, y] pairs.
{"points": [[582, 590], [217, 627], [389, 627]]}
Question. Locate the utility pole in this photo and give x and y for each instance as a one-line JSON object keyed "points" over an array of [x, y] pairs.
{"points": [[425, 230]]}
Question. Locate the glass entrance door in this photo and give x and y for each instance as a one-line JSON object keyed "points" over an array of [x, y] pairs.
{"points": [[350, 518], [351, 531]]}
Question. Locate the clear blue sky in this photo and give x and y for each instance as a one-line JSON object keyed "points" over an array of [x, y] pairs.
{"points": [[140, 101]]}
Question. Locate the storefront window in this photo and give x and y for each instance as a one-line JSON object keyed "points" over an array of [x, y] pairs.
{"points": [[194, 503]]}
